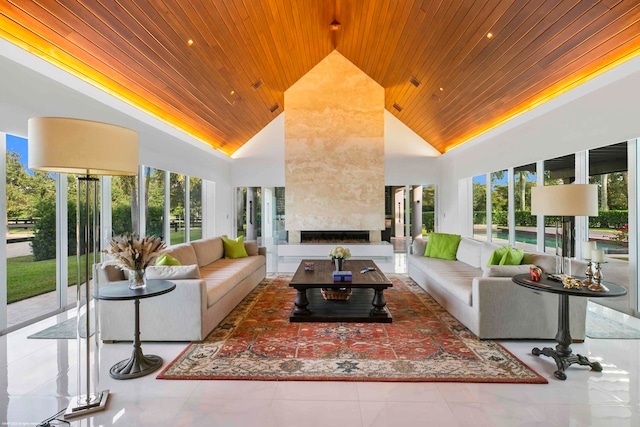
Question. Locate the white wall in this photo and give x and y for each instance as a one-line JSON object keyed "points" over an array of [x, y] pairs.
{"points": [[31, 87], [260, 162], [409, 159], [603, 111]]}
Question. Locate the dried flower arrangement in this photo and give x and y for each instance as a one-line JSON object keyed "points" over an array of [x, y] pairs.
{"points": [[132, 252]]}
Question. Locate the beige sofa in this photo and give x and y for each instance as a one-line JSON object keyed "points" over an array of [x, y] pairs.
{"points": [[196, 306], [485, 299]]}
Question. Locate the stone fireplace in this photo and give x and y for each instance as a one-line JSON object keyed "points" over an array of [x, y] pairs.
{"points": [[339, 236], [334, 152]]}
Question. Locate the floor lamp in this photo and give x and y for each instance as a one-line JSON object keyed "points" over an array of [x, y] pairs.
{"points": [[565, 201], [87, 149]]}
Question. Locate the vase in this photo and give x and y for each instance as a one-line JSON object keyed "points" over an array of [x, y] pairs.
{"points": [[339, 263], [137, 279]]}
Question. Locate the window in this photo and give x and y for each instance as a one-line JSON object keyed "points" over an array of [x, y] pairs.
{"points": [[154, 201], [31, 233], [124, 205], [176, 210], [480, 207], [195, 209], [524, 177], [500, 207], [608, 169]]}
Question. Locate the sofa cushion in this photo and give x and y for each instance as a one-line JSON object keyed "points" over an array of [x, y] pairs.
{"points": [[113, 273], [208, 250], [469, 252], [223, 275], [173, 272], [455, 277], [546, 262], [184, 254], [166, 259], [251, 246], [487, 250], [505, 270], [234, 248], [442, 245], [418, 246]]}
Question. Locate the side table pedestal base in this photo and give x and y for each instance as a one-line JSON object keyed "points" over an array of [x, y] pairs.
{"points": [[564, 361], [138, 366]]}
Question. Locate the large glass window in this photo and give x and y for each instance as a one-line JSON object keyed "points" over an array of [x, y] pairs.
{"points": [[558, 171], [30, 235], [500, 207], [195, 208], [608, 169], [154, 201], [480, 207], [428, 209], [524, 177], [176, 210], [124, 205]]}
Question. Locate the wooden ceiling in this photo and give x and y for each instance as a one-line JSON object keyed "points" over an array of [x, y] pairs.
{"points": [[466, 82]]}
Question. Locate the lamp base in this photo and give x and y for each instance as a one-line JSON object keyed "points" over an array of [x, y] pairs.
{"points": [[76, 409]]}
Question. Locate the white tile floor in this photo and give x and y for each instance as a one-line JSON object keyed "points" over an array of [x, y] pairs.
{"points": [[40, 375]]}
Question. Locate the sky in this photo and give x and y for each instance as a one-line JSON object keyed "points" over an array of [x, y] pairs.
{"points": [[18, 145]]}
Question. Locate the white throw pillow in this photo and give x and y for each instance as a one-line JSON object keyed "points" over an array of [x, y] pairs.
{"points": [[172, 272]]}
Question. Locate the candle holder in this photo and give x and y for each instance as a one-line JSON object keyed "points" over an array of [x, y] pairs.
{"points": [[589, 274], [596, 284]]}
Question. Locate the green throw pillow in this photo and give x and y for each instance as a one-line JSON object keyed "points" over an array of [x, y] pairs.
{"points": [[166, 259], [234, 248], [512, 257], [443, 246], [497, 255]]}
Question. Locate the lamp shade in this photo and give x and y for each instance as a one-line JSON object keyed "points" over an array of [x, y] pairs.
{"points": [[66, 145], [565, 200]]}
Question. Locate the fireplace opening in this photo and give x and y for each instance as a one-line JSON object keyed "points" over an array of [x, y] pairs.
{"points": [[339, 236]]}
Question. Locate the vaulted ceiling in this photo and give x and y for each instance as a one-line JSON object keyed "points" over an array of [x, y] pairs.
{"points": [[218, 69]]}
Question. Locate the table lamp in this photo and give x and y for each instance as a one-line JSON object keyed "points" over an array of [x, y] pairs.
{"points": [[565, 201], [86, 149]]}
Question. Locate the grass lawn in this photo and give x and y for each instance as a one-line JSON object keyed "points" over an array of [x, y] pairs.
{"points": [[27, 278]]}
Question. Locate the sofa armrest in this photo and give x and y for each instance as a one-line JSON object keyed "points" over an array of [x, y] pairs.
{"points": [[262, 250]]}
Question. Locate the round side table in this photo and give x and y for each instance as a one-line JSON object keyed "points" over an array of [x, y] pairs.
{"points": [[138, 364], [562, 354]]}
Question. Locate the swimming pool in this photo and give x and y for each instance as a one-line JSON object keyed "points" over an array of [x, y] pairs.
{"points": [[550, 241]]}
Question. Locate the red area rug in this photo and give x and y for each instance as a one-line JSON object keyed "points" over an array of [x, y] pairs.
{"points": [[424, 343]]}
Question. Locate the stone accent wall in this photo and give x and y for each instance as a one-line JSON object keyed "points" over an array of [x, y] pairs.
{"points": [[334, 149]]}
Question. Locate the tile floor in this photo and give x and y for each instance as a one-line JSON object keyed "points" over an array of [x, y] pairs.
{"points": [[40, 375]]}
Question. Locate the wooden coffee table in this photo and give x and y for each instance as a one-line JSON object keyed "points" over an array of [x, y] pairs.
{"points": [[366, 304]]}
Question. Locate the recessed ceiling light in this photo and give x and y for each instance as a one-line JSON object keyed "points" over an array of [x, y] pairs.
{"points": [[335, 25], [441, 89], [233, 92], [189, 42], [489, 36]]}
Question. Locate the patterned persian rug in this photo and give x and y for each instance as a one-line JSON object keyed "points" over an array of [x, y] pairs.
{"points": [[424, 343]]}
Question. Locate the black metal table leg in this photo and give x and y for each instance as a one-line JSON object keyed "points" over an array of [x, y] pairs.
{"points": [[139, 364], [562, 354]]}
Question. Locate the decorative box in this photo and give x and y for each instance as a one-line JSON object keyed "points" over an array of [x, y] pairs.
{"points": [[308, 266], [342, 276]]}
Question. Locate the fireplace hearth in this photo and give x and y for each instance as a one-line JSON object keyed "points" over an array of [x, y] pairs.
{"points": [[337, 236]]}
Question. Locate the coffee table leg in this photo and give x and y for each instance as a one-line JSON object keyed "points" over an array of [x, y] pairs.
{"points": [[301, 303], [379, 304]]}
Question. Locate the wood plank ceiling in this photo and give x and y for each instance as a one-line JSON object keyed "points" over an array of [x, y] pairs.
{"points": [[466, 81]]}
